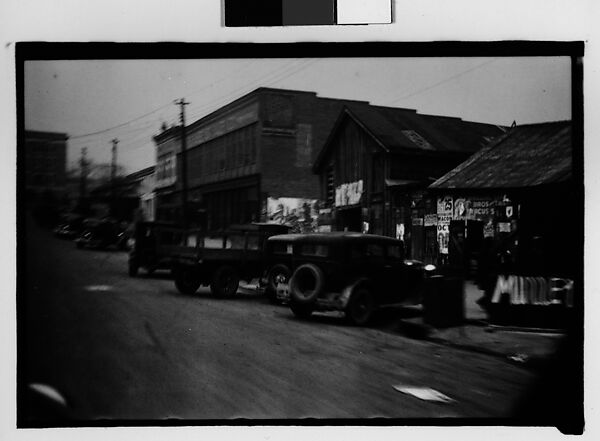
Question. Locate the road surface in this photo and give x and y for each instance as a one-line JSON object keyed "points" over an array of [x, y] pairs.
{"points": [[134, 348]]}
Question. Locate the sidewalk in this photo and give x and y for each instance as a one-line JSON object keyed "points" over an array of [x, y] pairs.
{"points": [[518, 345]]}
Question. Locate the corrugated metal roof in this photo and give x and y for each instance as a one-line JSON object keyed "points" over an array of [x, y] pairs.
{"points": [[525, 156]]}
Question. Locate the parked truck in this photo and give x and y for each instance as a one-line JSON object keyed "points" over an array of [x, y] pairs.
{"points": [[220, 259]]}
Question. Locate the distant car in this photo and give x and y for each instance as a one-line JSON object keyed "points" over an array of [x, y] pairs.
{"points": [[220, 259], [101, 234], [350, 272], [70, 227]]}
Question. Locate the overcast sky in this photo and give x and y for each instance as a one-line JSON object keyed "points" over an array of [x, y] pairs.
{"points": [[132, 98]]}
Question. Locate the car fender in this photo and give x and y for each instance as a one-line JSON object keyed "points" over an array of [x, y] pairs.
{"points": [[347, 291]]}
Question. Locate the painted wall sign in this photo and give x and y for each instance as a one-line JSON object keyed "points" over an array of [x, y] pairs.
{"points": [[534, 290], [481, 209], [349, 194], [226, 124]]}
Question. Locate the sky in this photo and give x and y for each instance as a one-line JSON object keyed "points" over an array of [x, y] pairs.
{"points": [[95, 101]]}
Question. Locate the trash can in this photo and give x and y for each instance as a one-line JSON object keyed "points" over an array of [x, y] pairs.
{"points": [[443, 301]]}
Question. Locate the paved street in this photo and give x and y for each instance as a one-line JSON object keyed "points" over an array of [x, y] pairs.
{"points": [[134, 348]]}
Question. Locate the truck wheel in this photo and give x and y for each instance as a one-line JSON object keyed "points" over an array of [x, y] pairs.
{"points": [[301, 311], [225, 281], [360, 307], [186, 281], [278, 274], [133, 268], [306, 283]]}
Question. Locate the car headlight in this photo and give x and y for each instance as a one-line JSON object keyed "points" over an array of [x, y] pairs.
{"points": [[429, 267]]}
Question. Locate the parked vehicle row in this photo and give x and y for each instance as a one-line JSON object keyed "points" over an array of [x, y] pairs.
{"points": [[92, 232], [350, 272]]}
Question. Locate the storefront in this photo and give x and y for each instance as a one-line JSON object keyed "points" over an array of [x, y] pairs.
{"points": [[509, 219]]}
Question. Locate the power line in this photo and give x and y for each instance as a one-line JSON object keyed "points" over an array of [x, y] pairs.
{"points": [[453, 77]]}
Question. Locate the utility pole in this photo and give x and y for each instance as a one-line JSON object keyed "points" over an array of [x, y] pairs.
{"points": [[184, 185], [113, 175], [83, 174]]}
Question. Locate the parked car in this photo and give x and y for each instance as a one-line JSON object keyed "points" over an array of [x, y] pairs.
{"points": [[69, 227], [102, 233], [221, 259], [350, 272], [152, 246]]}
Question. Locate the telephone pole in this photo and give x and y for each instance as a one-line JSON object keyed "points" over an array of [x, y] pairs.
{"points": [[113, 175], [83, 174], [184, 185]]}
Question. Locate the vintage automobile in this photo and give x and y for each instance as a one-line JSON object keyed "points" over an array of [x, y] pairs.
{"points": [[221, 259], [350, 272], [152, 245], [101, 234], [69, 227]]}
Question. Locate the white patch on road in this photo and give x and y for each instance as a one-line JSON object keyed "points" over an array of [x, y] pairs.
{"points": [[423, 393], [98, 288]]}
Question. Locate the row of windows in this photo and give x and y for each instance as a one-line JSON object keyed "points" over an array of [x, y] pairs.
{"points": [[233, 150]]}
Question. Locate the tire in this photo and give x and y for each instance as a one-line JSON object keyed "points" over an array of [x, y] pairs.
{"points": [[133, 268], [225, 281], [278, 273], [361, 305], [186, 281], [301, 311], [306, 284]]}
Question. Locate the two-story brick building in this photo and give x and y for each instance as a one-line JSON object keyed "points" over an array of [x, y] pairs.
{"points": [[249, 160]]}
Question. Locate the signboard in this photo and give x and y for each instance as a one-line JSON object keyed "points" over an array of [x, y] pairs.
{"points": [[481, 209], [431, 220], [400, 231], [443, 232], [348, 194], [460, 208], [504, 227], [445, 205], [300, 214], [417, 221]]}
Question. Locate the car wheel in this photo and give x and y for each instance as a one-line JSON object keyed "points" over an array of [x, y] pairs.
{"points": [[278, 274], [133, 268], [186, 281], [306, 283], [301, 311], [225, 282], [360, 307]]}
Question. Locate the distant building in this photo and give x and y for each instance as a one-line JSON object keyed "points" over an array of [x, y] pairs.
{"points": [[249, 160], [377, 163], [129, 198], [45, 165]]}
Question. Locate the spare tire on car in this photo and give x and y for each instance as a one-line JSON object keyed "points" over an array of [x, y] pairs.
{"points": [[306, 284]]}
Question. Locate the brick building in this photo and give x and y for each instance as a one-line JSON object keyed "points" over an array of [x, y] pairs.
{"points": [[249, 160], [45, 165], [377, 163]]}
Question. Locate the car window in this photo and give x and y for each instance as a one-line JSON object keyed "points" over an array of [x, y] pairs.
{"points": [[281, 248], [374, 250], [235, 242], [253, 242], [313, 249], [395, 252], [213, 242]]}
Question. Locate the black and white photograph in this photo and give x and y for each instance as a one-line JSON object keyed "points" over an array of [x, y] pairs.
{"points": [[344, 234]]}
